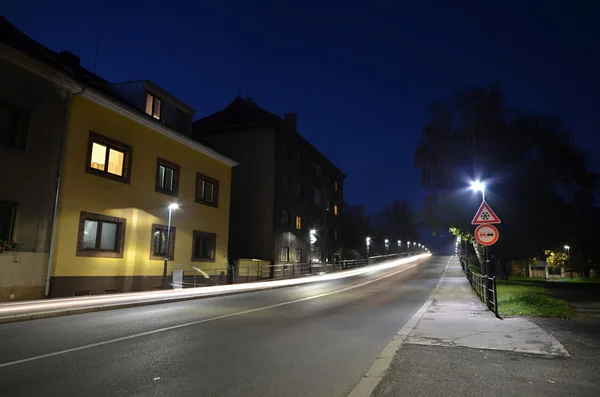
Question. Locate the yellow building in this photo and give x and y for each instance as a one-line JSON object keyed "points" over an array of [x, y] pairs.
{"points": [[124, 164]]}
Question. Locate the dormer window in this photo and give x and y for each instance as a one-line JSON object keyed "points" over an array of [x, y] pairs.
{"points": [[153, 106]]}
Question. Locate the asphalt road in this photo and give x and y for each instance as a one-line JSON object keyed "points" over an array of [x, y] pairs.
{"points": [[311, 340]]}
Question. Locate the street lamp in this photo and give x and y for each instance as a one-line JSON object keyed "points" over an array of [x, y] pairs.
{"points": [[479, 186], [387, 246], [172, 207], [368, 243], [568, 248]]}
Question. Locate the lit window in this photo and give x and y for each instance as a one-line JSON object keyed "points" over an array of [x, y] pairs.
{"points": [[335, 209], [298, 223], [153, 105], [108, 158], [206, 190]]}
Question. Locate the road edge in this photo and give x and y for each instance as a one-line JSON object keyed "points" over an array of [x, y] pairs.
{"points": [[375, 374]]}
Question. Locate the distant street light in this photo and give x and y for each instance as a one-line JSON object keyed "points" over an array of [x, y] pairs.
{"points": [[479, 186], [368, 243], [172, 207]]}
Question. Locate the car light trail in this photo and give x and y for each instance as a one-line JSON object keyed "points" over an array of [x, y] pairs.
{"points": [[138, 297]]}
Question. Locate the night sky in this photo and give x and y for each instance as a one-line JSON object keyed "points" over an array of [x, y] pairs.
{"points": [[359, 75]]}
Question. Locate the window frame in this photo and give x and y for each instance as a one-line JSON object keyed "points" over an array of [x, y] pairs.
{"points": [[99, 253], [318, 171], [298, 257], [207, 179], [154, 98], [286, 183], [298, 222], [336, 210], [12, 206], [15, 112], [109, 144], [285, 218], [196, 234], [163, 228], [176, 175], [318, 194], [284, 251]]}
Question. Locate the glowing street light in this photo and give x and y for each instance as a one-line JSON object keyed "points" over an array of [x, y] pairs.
{"points": [[479, 186], [171, 207]]}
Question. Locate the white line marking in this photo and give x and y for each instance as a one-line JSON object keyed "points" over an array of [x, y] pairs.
{"points": [[138, 335], [374, 375]]}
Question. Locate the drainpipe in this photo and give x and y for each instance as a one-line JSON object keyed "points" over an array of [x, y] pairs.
{"points": [[58, 181]]}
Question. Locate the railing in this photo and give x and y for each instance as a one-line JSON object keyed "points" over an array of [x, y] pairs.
{"points": [[484, 286], [196, 277]]}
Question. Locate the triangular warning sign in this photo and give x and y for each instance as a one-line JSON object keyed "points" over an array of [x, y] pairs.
{"points": [[485, 215]]}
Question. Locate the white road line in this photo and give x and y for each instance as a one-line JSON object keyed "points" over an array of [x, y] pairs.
{"points": [[375, 374], [138, 335]]}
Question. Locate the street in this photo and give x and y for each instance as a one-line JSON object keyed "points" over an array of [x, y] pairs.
{"points": [[311, 340]]}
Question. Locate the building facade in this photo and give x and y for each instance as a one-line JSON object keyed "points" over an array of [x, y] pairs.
{"points": [[126, 160], [287, 198], [32, 125]]}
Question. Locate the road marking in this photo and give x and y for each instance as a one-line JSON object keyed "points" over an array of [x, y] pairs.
{"points": [[165, 329], [374, 375]]}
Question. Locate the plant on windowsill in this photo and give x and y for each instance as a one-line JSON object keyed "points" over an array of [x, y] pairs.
{"points": [[6, 246]]}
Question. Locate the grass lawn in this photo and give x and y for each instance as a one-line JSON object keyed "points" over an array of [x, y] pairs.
{"points": [[528, 297]]}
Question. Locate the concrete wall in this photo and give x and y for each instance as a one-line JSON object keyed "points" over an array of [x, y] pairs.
{"points": [[31, 182], [137, 202]]}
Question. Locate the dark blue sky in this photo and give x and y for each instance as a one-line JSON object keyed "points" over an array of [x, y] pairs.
{"points": [[360, 76]]}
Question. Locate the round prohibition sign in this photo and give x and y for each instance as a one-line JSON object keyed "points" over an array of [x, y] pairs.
{"points": [[486, 234]]}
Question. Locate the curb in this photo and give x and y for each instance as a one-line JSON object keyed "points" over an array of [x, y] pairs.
{"points": [[116, 306], [375, 374]]}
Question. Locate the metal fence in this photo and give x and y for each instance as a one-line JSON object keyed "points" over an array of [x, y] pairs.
{"points": [[196, 277], [484, 286]]}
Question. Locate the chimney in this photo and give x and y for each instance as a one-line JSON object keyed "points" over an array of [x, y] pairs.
{"points": [[68, 58], [290, 120]]}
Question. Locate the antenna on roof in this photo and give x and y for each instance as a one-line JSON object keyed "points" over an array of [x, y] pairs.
{"points": [[97, 50]]}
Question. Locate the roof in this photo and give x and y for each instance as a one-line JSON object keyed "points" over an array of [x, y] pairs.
{"points": [[158, 90], [244, 113], [13, 37]]}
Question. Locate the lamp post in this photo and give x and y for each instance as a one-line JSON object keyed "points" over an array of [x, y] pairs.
{"points": [[568, 248], [164, 280], [479, 186], [387, 246], [399, 247], [368, 243]]}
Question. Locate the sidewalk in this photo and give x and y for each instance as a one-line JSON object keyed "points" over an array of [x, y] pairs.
{"points": [[457, 348]]}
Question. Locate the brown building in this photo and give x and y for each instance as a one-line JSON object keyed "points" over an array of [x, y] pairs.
{"points": [[282, 189]]}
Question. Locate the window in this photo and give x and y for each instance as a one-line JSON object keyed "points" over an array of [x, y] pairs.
{"points": [[298, 223], [207, 190], [336, 186], [167, 177], [204, 246], [13, 126], [7, 219], [286, 183], [335, 209], [318, 171], [298, 255], [100, 236], [335, 234], [299, 158], [158, 242], [108, 158], [328, 206], [285, 254], [318, 198], [153, 106], [285, 218]]}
